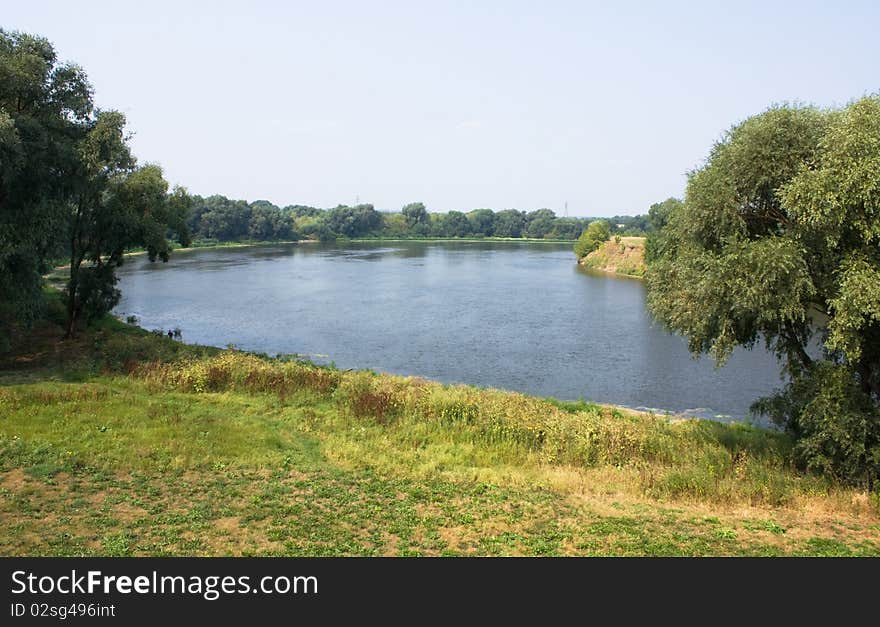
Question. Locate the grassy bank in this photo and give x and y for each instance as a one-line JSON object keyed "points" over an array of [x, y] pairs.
{"points": [[125, 443], [625, 257]]}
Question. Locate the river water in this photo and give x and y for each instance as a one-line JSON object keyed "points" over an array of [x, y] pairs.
{"points": [[518, 316]]}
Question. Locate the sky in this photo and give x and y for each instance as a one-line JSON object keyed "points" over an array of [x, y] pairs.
{"points": [[604, 106]]}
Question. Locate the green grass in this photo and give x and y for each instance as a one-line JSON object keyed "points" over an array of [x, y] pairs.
{"points": [[124, 443]]}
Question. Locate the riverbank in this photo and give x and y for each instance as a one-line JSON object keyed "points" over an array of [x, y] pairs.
{"points": [[623, 256], [122, 442]]}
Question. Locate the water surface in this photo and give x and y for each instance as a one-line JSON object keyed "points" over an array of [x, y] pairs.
{"points": [[519, 316]]}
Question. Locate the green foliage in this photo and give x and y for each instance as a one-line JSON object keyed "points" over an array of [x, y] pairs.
{"points": [[658, 217], [482, 222], [509, 223], [455, 224], [118, 206], [69, 187], [269, 223], [837, 426], [356, 221], [97, 286], [778, 240], [45, 109], [220, 219], [634, 226], [418, 221], [217, 217], [595, 234], [539, 223]]}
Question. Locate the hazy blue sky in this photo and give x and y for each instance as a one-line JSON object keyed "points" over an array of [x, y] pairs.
{"points": [[456, 104]]}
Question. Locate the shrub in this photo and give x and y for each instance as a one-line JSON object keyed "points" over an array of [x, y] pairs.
{"points": [[244, 372], [597, 232], [835, 424]]}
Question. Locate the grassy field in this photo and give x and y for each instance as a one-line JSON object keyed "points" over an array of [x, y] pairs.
{"points": [[125, 443]]}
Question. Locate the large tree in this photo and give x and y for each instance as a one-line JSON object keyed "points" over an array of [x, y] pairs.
{"points": [[455, 224], [510, 223], [356, 221], [69, 186], [539, 223], [418, 221], [117, 206], [778, 240], [482, 222], [45, 111]]}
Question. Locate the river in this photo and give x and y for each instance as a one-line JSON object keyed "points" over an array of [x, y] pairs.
{"points": [[518, 316]]}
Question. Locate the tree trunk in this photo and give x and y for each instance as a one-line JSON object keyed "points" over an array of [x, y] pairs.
{"points": [[76, 259], [72, 289], [795, 349]]}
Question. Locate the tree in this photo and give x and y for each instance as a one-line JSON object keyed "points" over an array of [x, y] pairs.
{"points": [[354, 221], [566, 228], [777, 239], [220, 218], [70, 186], [658, 216], [394, 225], [417, 219], [456, 224], [269, 223], [482, 222], [539, 223], [509, 223], [45, 111], [659, 212], [593, 236], [628, 225], [117, 206]]}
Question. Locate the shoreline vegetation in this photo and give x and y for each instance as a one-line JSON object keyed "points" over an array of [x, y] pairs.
{"points": [[621, 256], [121, 442]]}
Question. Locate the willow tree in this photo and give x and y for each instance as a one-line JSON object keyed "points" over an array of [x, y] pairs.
{"points": [[117, 206], [778, 240], [69, 187], [45, 109]]}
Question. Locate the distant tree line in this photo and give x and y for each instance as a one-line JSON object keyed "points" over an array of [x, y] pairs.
{"points": [[217, 218]]}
